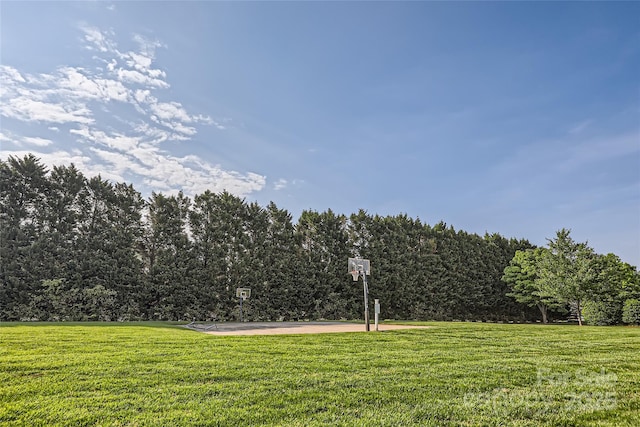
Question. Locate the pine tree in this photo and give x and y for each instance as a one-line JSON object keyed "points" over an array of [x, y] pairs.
{"points": [[170, 291]]}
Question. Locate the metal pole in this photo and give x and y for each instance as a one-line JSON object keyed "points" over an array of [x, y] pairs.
{"points": [[376, 310], [241, 310], [366, 301]]}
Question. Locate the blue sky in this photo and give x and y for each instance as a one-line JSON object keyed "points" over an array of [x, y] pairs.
{"points": [[508, 117]]}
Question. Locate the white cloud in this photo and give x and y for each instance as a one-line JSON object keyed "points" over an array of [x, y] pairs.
{"points": [[180, 128], [97, 40], [152, 134], [4, 137], [219, 125], [79, 85], [10, 74], [170, 111], [89, 100], [140, 62], [280, 184], [143, 95], [10, 78], [143, 63], [37, 141], [147, 47], [115, 141], [136, 77], [26, 109], [118, 163]]}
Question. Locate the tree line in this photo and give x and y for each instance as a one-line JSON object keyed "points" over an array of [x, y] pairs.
{"points": [[79, 248], [569, 276]]}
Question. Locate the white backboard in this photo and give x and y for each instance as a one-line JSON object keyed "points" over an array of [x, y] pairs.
{"points": [[361, 265]]}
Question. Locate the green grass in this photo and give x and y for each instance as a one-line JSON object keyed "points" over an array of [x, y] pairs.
{"points": [[456, 374]]}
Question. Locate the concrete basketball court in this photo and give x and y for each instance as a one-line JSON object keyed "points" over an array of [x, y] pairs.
{"points": [[282, 328]]}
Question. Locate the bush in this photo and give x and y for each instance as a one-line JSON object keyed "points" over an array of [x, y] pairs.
{"points": [[601, 313], [631, 312]]}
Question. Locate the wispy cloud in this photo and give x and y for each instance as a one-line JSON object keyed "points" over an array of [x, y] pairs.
{"points": [[571, 154], [567, 179], [597, 149], [30, 110], [74, 83], [39, 142], [280, 184], [579, 127], [4, 137], [82, 103], [96, 39]]}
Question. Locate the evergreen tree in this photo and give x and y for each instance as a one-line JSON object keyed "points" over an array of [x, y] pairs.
{"points": [[325, 250], [78, 249], [283, 294], [23, 195], [170, 291]]}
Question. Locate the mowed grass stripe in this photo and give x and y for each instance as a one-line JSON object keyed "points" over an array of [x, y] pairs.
{"points": [[451, 374]]}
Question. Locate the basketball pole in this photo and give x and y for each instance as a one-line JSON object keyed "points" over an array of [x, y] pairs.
{"points": [[361, 267], [366, 301]]}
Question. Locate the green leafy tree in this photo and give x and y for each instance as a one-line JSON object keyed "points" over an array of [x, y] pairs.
{"points": [[498, 252], [566, 272], [522, 275], [631, 312], [602, 313], [614, 279], [614, 282]]}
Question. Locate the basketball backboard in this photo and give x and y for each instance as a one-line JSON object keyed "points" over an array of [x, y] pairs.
{"points": [[363, 266], [243, 293]]}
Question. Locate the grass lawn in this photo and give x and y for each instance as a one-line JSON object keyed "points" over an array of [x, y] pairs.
{"points": [[456, 374]]}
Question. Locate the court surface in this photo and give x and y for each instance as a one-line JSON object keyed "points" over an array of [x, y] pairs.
{"points": [[280, 328]]}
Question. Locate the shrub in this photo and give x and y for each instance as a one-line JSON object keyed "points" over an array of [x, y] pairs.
{"points": [[601, 313], [631, 312]]}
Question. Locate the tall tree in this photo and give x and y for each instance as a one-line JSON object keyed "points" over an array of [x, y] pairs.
{"points": [[23, 195], [614, 282], [281, 294], [522, 276], [170, 292], [325, 249], [566, 272]]}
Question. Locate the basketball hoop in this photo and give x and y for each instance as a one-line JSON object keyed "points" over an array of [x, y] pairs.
{"points": [[356, 267], [243, 293]]}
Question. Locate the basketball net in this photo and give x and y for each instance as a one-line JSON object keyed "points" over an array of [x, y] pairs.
{"points": [[355, 274]]}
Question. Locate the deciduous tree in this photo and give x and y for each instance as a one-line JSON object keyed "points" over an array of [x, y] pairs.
{"points": [[566, 272]]}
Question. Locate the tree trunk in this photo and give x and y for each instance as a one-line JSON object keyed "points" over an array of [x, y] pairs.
{"points": [[544, 311], [579, 312]]}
